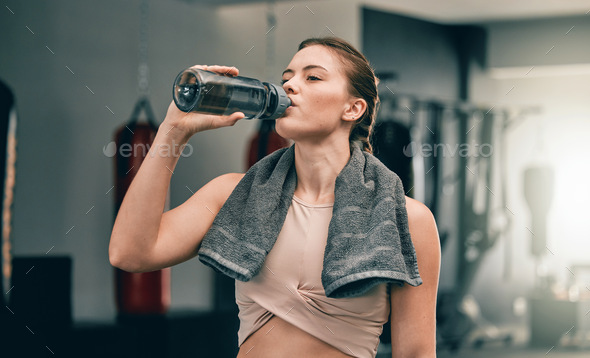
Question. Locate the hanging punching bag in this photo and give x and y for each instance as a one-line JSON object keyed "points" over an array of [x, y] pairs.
{"points": [[390, 142], [148, 292], [7, 179], [538, 192]]}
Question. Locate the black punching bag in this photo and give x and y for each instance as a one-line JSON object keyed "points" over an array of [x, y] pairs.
{"points": [[390, 142]]}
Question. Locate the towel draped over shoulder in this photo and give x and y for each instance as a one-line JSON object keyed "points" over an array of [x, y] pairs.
{"points": [[368, 237]]}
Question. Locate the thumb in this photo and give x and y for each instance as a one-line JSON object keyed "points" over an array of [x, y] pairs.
{"points": [[236, 116]]}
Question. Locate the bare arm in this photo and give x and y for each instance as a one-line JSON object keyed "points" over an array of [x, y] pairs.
{"points": [[144, 238], [413, 309]]}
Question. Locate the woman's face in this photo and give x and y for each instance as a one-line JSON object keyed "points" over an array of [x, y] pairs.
{"points": [[318, 88]]}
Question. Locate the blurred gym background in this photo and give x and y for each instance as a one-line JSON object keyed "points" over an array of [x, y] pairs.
{"points": [[485, 115]]}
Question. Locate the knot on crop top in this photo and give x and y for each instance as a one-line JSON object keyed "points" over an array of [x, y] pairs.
{"points": [[289, 286]]}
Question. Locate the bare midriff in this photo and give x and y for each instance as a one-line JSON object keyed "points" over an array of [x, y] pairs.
{"points": [[278, 338]]}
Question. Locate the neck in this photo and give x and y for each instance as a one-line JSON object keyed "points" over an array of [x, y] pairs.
{"points": [[317, 167]]}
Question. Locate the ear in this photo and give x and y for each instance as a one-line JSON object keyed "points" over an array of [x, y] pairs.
{"points": [[355, 108]]}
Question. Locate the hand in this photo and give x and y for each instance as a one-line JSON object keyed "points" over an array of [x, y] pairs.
{"points": [[190, 123]]}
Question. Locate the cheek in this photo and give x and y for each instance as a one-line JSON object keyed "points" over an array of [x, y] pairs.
{"points": [[328, 101]]}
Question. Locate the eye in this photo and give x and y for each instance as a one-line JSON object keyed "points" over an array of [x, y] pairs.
{"points": [[313, 78]]}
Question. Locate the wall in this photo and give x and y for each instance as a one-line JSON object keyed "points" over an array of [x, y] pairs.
{"points": [[421, 53], [63, 201], [63, 205]]}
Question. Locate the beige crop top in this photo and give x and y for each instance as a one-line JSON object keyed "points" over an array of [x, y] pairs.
{"points": [[289, 286]]}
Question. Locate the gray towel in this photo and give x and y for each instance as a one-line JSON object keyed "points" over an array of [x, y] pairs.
{"points": [[368, 238]]}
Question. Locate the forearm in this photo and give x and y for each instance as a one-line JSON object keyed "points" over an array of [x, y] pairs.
{"points": [[414, 347], [138, 220], [417, 355], [417, 352]]}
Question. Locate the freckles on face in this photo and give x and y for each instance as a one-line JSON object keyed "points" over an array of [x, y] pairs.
{"points": [[315, 81]]}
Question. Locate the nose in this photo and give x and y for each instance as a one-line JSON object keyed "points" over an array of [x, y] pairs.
{"points": [[290, 86]]}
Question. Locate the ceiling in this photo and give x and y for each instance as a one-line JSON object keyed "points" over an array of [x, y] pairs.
{"points": [[460, 11], [464, 11]]}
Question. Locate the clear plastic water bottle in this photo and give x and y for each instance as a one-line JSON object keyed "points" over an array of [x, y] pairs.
{"points": [[197, 90]]}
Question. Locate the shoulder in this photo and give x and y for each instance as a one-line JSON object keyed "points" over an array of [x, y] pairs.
{"points": [[221, 187], [422, 227], [229, 179], [418, 213], [228, 182]]}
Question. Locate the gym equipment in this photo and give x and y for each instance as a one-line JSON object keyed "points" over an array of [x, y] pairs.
{"points": [[43, 291], [473, 179], [479, 200], [203, 91], [389, 141], [404, 127], [148, 292], [538, 192], [8, 123], [392, 141], [40, 306]]}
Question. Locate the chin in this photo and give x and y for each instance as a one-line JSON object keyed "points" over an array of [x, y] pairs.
{"points": [[288, 128], [294, 127]]}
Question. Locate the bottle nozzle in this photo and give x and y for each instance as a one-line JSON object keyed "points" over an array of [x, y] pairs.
{"points": [[278, 101]]}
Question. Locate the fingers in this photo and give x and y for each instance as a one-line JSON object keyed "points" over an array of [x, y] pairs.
{"points": [[223, 70]]}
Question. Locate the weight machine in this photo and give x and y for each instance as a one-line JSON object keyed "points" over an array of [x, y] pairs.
{"points": [[451, 157]]}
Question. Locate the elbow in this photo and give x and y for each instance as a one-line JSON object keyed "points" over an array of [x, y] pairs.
{"points": [[117, 260], [124, 264], [123, 261]]}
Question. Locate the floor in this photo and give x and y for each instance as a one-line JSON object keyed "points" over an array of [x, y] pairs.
{"points": [[505, 352], [570, 346], [516, 352]]}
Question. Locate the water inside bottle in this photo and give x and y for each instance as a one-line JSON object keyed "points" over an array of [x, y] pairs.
{"points": [[224, 99]]}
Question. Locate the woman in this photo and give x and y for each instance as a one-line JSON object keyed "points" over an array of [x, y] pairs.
{"points": [[334, 98]]}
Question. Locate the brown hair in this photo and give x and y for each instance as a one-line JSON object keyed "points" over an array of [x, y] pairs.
{"points": [[362, 84]]}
